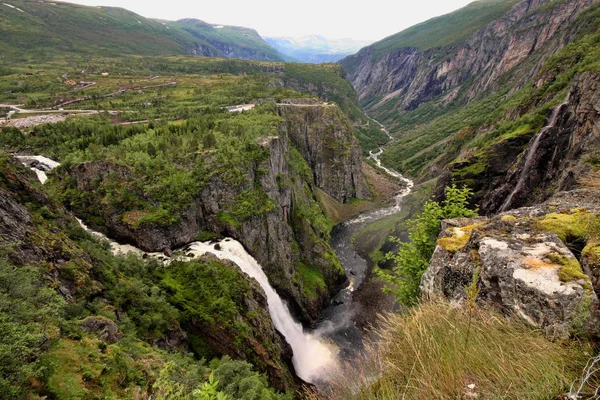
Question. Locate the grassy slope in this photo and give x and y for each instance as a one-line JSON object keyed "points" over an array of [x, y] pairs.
{"points": [[437, 350], [44, 29], [442, 31], [243, 38]]}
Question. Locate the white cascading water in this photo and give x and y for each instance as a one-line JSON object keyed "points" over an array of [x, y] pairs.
{"points": [[312, 358], [39, 164], [530, 154]]}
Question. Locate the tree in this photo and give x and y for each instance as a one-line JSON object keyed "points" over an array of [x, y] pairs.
{"points": [[412, 259]]}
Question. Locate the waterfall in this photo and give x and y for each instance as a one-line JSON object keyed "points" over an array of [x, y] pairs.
{"points": [[312, 358], [530, 154], [39, 164]]}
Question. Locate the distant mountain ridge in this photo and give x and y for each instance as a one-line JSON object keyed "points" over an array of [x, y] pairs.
{"points": [[46, 29], [314, 48]]}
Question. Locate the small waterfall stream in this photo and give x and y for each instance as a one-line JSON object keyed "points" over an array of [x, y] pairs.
{"points": [[312, 357], [530, 154]]}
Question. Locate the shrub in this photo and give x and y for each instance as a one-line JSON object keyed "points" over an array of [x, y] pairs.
{"points": [[412, 258]]}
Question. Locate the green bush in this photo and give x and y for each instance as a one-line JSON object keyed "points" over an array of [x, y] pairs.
{"points": [[412, 259]]}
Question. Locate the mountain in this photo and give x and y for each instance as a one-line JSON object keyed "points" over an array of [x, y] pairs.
{"points": [[465, 102], [315, 49], [43, 29]]}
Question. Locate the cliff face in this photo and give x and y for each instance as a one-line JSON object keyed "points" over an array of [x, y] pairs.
{"points": [[527, 170], [325, 139], [407, 78], [286, 233]]}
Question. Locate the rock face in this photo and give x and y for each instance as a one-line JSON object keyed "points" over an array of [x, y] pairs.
{"points": [[525, 272], [408, 77], [281, 239], [526, 170], [560, 158], [325, 139]]}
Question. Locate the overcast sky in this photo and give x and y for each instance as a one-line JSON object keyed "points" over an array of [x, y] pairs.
{"points": [[335, 19]]}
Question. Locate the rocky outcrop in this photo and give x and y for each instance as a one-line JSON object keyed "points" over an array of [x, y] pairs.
{"points": [[106, 329], [525, 170], [526, 271], [325, 139], [407, 77]]}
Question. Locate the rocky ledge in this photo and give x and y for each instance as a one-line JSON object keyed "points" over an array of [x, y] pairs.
{"points": [[530, 262]]}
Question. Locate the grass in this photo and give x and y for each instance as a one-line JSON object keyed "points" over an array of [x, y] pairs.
{"points": [[430, 353]]}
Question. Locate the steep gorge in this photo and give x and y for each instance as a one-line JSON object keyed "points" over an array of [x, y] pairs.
{"points": [[288, 234]]}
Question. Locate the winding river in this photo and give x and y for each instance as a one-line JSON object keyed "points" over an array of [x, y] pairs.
{"points": [[337, 336], [337, 322]]}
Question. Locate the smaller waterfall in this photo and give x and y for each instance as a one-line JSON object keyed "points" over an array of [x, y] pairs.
{"points": [[39, 164], [530, 154]]}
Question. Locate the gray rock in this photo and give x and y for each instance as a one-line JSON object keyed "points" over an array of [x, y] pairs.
{"points": [[106, 329], [519, 273]]}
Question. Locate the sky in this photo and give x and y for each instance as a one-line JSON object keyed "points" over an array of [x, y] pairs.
{"points": [[334, 19]]}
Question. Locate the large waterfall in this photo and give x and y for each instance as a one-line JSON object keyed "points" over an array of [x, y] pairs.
{"points": [[311, 359]]}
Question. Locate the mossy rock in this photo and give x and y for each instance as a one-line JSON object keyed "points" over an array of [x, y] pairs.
{"points": [[572, 225]]}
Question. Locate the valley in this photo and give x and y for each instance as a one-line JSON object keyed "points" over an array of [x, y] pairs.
{"points": [[185, 215]]}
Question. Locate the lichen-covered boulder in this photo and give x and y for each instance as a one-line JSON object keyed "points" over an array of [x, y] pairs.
{"points": [[526, 271]]}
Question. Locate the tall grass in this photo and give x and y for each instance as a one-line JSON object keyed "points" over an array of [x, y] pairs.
{"points": [[425, 354]]}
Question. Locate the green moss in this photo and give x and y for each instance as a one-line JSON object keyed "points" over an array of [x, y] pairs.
{"points": [[205, 236], [578, 224], [592, 253], [509, 218], [478, 166], [312, 281], [570, 270], [458, 240], [227, 218]]}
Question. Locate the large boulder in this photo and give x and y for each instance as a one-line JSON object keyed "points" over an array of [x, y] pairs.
{"points": [[526, 271]]}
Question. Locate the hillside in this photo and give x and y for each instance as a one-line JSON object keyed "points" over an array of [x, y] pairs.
{"points": [[43, 29], [487, 112], [447, 103]]}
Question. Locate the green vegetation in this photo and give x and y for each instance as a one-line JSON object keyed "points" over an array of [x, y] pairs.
{"points": [[412, 259], [570, 268], [107, 31], [578, 224], [437, 350], [45, 347], [439, 134]]}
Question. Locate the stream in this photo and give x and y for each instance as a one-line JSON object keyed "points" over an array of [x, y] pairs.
{"points": [[336, 337]]}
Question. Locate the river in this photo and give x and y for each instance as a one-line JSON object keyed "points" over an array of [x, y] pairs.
{"points": [[337, 322]]}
